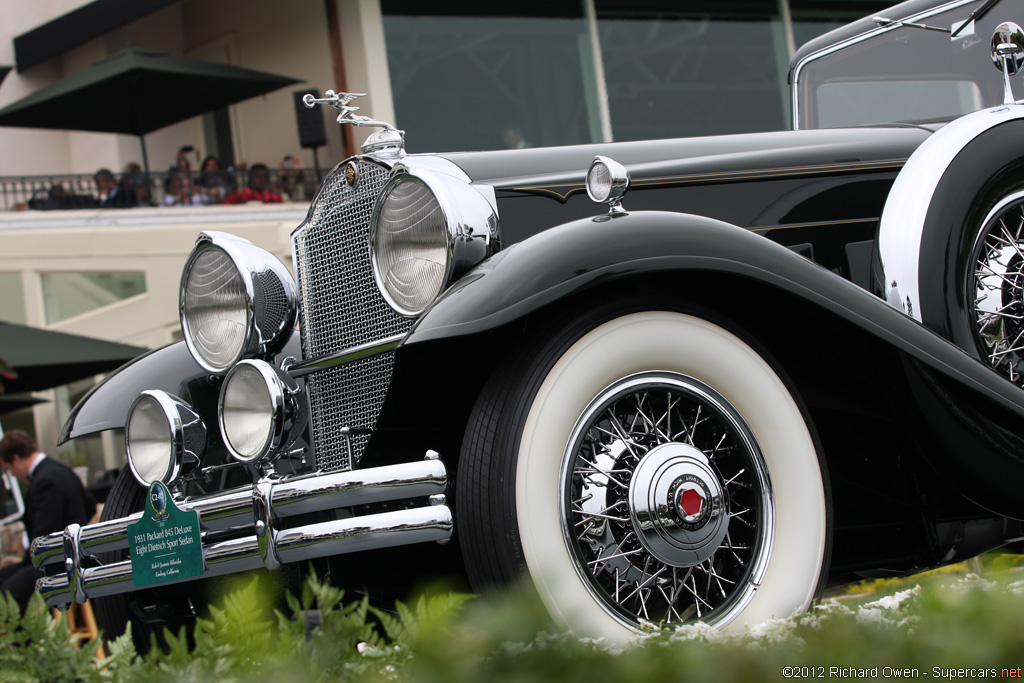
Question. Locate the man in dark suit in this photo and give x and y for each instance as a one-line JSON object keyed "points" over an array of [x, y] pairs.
{"points": [[113, 195], [56, 498]]}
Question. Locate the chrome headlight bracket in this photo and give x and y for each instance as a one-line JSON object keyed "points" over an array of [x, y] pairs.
{"points": [[156, 417], [236, 301]]}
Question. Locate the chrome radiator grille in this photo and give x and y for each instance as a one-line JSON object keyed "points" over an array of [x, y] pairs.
{"points": [[340, 307]]}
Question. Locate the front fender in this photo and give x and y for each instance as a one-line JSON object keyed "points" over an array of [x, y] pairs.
{"points": [[170, 368], [568, 259]]}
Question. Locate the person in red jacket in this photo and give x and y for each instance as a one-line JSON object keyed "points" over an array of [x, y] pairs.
{"points": [[258, 189]]}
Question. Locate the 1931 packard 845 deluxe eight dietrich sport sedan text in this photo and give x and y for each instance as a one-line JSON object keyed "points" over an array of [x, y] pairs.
{"points": [[782, 360]]}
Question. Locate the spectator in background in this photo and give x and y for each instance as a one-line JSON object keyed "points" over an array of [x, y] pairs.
{"points": [[513, 138], [258, 189], [111, 194], [56, 498], [178, 190], [133, 177], [181, 160], [292, 180], [213, 182]]}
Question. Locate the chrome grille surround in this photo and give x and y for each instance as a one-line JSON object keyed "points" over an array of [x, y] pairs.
{"points": [[341, 307]]}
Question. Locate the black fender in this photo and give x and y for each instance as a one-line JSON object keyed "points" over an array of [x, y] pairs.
{"points": [[170, 368], [573, 257]]}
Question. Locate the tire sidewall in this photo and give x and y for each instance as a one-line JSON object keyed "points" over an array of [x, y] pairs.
{"points": [[691, 346], [987, 169]]}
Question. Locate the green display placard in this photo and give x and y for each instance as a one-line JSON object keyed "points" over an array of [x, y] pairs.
{"points": [[164, 545]]}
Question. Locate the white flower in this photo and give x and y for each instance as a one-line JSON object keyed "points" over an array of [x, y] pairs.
{"points": [[971, 582], [892, 602]]}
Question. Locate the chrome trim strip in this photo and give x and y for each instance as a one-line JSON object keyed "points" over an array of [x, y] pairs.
{"points": [[417, 525], [794, 85], [901, 227], [290, 497], [375, 348]]}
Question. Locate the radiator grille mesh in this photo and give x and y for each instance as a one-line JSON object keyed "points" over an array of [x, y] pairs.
{"points": [[340, 308]]}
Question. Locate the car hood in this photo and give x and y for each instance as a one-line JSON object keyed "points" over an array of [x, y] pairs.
{"points": [[560, 171]]}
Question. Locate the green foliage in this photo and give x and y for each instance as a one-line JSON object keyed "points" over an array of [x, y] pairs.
{"points": [[35, 646], [940, 620]]}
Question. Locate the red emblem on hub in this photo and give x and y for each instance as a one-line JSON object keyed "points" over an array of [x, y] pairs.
{"points": [[691, 502]]}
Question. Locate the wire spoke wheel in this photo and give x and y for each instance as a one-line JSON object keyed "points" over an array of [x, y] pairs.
{"points": [[644, 467], [667, 506], [996, 288]]}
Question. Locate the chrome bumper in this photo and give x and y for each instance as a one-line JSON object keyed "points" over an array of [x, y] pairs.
{"points": [[259, 508]]}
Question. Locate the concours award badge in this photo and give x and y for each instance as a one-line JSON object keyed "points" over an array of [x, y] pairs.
{"points": [[164, 545]]}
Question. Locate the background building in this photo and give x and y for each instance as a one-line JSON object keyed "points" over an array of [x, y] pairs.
{"points": [[453, 75]]}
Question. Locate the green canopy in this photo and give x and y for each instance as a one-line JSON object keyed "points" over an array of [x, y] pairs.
{"points": [[136, 92], [32, 359]]}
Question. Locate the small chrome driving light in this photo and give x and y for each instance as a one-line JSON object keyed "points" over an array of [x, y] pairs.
{"points": [[237, 301], [261, 411], [607, 182], [164, 438]]}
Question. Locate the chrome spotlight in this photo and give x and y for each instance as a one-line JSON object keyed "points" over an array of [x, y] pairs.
{"points": [[261, 411], [607, 182], [164, 437]]}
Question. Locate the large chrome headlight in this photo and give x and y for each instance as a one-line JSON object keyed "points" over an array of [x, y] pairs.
{"points": [[237, 301], [427, 229], [164, 437], [261, 411]]}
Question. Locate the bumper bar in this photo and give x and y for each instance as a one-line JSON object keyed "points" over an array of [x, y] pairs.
{"points": [[260, 507]]}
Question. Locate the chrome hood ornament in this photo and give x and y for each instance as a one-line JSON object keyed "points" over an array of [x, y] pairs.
{"points": [[388, 139]]}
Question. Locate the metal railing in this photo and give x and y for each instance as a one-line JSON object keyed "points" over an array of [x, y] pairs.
{"points": [[158, 188]]}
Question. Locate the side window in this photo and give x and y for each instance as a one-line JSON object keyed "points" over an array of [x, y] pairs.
{"points": [[855, 103]]}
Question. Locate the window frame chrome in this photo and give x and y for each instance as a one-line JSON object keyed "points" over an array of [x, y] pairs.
{"points": [[867, 35]]}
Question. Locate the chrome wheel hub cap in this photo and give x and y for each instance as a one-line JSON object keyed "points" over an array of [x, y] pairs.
{"points": [[666, 508], [677, 505]]}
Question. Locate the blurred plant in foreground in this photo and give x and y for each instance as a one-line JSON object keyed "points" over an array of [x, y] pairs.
{"points": [[922, 627]]}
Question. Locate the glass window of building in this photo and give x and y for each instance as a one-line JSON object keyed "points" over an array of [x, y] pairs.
{"points": [[694, 68], [12, 303], [66, 295], [811, 18], [491, 75], [488, 76], [707, 67]]}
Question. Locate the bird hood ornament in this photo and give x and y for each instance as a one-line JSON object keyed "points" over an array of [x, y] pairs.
{"points": [[388, 139]]}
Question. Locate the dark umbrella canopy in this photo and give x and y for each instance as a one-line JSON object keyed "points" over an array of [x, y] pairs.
{"points": [[32, 359], [136, 92], [4, 70], [11, 402]]}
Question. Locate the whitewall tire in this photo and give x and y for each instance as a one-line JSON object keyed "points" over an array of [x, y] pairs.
{"points": [[647, 467]]}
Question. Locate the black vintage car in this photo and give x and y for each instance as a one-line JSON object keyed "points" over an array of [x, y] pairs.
{"points": [[780, 360]]}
